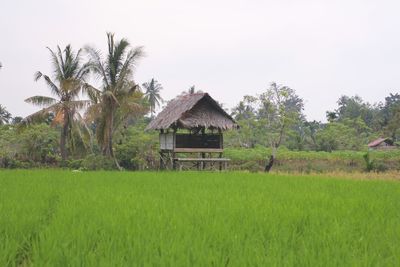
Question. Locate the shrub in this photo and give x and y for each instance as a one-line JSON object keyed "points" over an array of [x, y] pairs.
{"points": [[97, 162], [369, 163], [75, 164]]}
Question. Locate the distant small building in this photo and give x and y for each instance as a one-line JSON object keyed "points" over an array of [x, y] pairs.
{"points": [[382, 143]]}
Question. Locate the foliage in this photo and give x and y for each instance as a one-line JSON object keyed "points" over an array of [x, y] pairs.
{"points": [[369, 163], [115, 117], [306, 161], [5, 116], [36, 144], [350, 127], [97, 162], [152, 94], [66, 87], [137, 150], [272, 113], [118, 91]]}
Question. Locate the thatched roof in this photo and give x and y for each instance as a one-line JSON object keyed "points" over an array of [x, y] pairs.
{"points": [[191, 111]]}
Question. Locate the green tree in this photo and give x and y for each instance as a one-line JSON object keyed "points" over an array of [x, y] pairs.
{"points": [[65, 86], [152, 94], [338, 136], [312, 128], [16, 120], [280, 109], [331, 116], [391, 116], [5, 116], [245, 113], [393, 125], [118, 88], [354, 107]]}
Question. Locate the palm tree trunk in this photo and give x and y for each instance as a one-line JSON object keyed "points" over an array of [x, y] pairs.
{"points": [[108, 140], [63, 137]]}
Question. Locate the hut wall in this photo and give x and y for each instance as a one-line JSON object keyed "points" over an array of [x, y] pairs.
{"points": [[170, 141], [167, 141], [198, 141]]}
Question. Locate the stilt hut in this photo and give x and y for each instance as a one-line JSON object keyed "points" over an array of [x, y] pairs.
{"points": [[191, 132]]}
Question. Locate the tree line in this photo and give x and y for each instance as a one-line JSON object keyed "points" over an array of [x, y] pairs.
{"points": [[115, 102], [275, 118], [105, 122]]}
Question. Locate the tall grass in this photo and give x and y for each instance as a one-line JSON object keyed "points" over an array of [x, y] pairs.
{"points": [[61, 218], [261, 153], [254, 159]]}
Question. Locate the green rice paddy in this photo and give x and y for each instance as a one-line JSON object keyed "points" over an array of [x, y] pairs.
{"points": [[64, 218]]}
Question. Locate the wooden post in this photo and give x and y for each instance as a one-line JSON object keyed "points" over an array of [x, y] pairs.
{"points": [[173, 149], [199, 164], [220, 163], [161, 160], [203, 155], [221, 145]]}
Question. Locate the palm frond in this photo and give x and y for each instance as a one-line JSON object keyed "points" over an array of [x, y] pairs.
{"points": [[53, 88], [93, 93], [78, 104], [57, 67], [79, 123], [37, 76], [61, 61], [58, 118], [118, 55], [93, 112], [126, 70], [39, 115], [109, 94], [71, 87], [83, 71], [41, 100], [72, 62], [96, 64]]}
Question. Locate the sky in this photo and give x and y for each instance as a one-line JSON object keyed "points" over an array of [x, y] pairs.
{"points": [[228, 48]]}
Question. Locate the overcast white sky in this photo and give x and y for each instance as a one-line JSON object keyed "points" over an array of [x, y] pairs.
{"points": [[229, 48]]}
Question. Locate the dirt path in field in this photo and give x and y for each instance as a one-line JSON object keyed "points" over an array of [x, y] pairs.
{"points": [[23, 255]]}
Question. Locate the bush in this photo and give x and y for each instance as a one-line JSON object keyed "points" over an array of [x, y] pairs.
{"points": [[97, 162], [380, 167], [137, 150], [75, 164], [251, 166], [369, 163]]}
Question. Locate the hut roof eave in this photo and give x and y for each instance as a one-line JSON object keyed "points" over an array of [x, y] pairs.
{"points": [[179, 114]]}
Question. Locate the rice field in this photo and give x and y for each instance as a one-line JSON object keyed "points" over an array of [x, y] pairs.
{"points": [[64, 218]]}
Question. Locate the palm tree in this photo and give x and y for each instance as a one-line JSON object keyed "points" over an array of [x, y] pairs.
{"points": [[118, 95], [5, 116], [152, 94], [65, 87], [192, 90]]}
